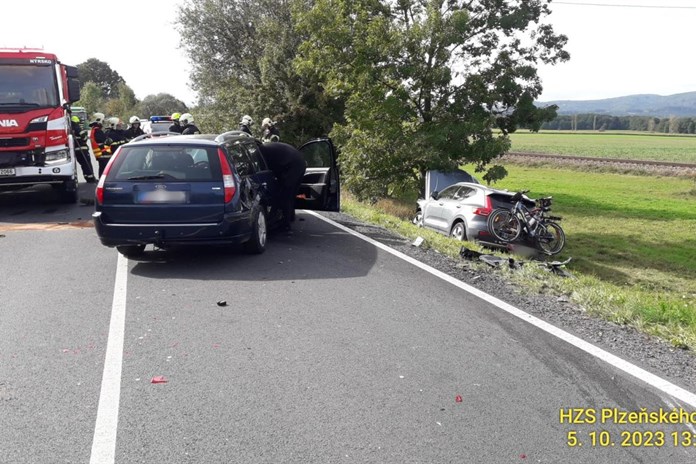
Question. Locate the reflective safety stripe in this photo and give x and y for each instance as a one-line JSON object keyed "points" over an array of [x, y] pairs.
{"points": [[95, 146]]}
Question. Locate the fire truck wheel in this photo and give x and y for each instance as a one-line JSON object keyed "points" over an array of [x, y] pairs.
{"points": [[68, 192]]}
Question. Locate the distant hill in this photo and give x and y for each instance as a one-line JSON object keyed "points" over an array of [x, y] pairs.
{"points": [[679, 105]]}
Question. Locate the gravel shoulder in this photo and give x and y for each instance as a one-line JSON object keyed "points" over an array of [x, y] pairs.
{"points": [[648, 352]]}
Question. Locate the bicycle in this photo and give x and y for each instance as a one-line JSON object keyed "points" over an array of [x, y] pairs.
{"points": [[507, 225]]}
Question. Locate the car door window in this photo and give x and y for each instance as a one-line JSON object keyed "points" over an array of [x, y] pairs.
{"points": [[241, 159], [255, 157], [448, 193], [464, 192]]}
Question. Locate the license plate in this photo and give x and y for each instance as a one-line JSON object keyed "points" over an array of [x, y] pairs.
{"points": [[161, 196], [7, 172]]}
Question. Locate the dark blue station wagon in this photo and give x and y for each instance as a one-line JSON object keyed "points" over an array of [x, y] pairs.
{"points": [[201, 189]]}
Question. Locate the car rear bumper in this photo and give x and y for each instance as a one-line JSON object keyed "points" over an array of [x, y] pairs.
{"points": [[235, 228]]}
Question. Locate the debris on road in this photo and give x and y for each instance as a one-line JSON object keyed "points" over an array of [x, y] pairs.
{"points": [[458, 399], [418, 241], [222, 303], [159, 379]]}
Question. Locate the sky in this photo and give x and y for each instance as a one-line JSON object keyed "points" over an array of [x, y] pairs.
{"points": [[633, 47]]}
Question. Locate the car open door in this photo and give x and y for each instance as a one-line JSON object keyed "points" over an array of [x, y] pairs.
{"points": [[320, 188]]}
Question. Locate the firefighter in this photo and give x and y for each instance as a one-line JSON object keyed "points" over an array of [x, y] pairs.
{"points": [[134, 129], [187, 125], [115, 135], [246, 123], [97, 137], [288, 165], [82, 150], [176, 126], [270, 131]]}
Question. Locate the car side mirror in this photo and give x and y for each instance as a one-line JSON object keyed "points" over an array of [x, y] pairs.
{"points": [[435, 195]]}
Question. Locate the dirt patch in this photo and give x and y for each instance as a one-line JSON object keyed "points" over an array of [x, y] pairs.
{"points": [[5, 227]]}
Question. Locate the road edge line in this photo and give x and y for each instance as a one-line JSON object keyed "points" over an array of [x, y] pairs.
{"points": [[104, 440], [641, 374]]}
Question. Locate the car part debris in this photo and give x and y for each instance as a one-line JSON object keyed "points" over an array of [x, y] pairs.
{"points": [[418, 242], [557, 267], [159, 379], [222, 303], [466, 253]]}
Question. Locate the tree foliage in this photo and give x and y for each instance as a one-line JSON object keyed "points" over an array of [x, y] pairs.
{"points": [[91, 98], [428, 84], [162, 104], [99, 72], [241, 56]]}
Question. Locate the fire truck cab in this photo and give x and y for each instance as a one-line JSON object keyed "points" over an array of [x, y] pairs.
{"points": [[36, 143]]}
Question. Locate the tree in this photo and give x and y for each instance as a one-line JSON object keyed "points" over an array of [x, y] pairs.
{"points": [[429, 84], [102, 75], [162, 104], [241, 64], [91, 98]]}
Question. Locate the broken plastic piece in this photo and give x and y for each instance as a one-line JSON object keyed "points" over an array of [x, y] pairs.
{"points": [[159, 379], [222, 303], [418, 241], [458, 399]]}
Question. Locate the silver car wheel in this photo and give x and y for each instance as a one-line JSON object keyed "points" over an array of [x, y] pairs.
{"points": [[459, 231], [261, 228]]}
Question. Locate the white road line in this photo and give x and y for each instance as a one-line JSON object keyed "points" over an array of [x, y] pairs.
{"points": [[104, 441], [631, 369]]}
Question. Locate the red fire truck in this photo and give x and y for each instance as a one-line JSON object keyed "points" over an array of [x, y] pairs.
{"points": [[36, 145]]}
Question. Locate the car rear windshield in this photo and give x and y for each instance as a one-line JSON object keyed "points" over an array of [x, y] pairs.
{"points": [[166, 162]]}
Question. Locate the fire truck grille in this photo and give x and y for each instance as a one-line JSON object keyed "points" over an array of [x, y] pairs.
{"points": [[19, 142]]}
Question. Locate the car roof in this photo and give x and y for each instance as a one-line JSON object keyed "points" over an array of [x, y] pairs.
{"points": [[194, 139]]}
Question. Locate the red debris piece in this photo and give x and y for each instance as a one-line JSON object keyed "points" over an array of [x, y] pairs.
{"points": [[216, 345], [159, 379], [458, 399], [523, 456]]}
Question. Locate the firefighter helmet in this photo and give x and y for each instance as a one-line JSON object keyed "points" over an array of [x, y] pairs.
{"points": [[185, 118], [176, 116], [267, 122], [75, 119], [113, 121], [98, 117], [247, 121], [134, 120]]}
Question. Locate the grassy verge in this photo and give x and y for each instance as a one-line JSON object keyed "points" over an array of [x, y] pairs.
{"points": [[638, 145], [632, 241]]}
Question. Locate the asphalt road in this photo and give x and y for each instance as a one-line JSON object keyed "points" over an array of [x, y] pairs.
{"points": [[328, 350]]}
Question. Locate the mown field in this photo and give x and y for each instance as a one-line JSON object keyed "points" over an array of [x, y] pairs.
{"points": [[632, 237], [621, 145]]}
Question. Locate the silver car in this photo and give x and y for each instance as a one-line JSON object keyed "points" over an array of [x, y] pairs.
{"points": [[461, 210]]}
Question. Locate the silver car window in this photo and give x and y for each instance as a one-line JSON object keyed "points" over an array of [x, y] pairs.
{"points": [[449, 192]]}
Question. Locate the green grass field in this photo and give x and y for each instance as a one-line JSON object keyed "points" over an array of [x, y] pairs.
{"points": [[630, 230], [632, 240], [637, 145]]}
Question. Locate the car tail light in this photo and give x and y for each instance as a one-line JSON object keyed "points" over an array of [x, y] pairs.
{"points": [[485, 211], [227, 178], [102, 179]]}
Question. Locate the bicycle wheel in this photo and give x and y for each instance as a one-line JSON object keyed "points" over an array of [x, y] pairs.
{"points": [[504, 225], [551, 238]]}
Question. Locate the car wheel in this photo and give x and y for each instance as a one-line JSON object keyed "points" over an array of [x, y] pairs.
{"points": [[130, 251], [418, 219], [458, 231], [259, 233]]}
